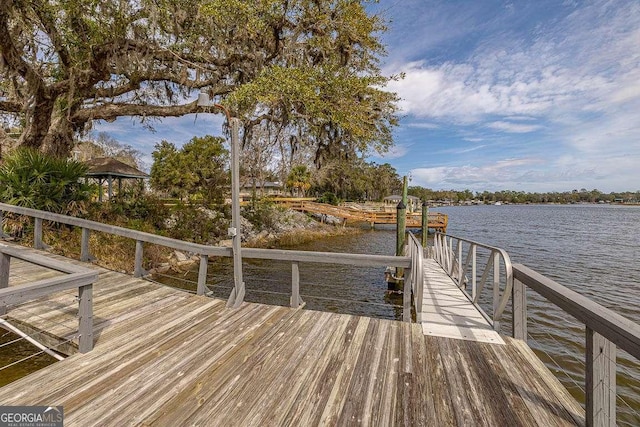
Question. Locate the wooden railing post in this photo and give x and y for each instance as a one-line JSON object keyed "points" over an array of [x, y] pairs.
{"points": [[600, 380], [406, 293], [401, 218], [202, 274], [5, 264], [84, 245], [519, 298], [2, 235], [138, 271], [37, 234], [85, 318], [295, 300]]}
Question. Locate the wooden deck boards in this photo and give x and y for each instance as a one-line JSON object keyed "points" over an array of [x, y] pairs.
{"points": [[164, 357]]}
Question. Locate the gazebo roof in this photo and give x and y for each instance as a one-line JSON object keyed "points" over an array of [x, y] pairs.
{"points": [[109, 167]]}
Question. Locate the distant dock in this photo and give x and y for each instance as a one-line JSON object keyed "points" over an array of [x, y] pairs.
{"points": [[436, 221]]}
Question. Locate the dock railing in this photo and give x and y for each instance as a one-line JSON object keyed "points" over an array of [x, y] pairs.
{"points": [[74, 277], [605, 331], [414, 282], [204, 251], [459, 258]]}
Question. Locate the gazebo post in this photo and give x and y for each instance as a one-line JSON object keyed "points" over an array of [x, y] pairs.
{"points": [[109, 186]]}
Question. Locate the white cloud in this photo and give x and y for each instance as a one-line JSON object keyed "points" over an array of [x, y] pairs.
{"points": [[513, 127], [423, 125], [576, 82], [395, 152], [580, 62], [468, 150], [534, 174]]}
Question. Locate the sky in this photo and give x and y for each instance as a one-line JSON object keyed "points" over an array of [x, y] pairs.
{"points": [[497, 95]]}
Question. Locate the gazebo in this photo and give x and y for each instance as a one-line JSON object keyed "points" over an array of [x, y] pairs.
{"points": [[107, 169]]}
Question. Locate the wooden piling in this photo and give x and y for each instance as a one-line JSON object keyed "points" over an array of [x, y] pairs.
{"points": [[401, 218], [425, 223]]}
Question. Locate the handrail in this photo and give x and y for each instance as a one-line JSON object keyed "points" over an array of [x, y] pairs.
{"points": [[204, 251], [416, 253], [452, 262], [605, 330], [76, 277]]}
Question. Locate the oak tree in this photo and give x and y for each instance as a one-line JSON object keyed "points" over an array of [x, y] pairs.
{"points": [[308, 66]]}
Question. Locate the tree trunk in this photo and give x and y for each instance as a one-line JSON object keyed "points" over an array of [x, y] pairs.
{"points": [[37, 121], [47, 129], [59, 140]]}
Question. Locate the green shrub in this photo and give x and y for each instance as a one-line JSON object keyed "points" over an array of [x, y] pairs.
{"points": [[198, 224], [125, 208], [263, 214], [34, 180], [329, 198]]}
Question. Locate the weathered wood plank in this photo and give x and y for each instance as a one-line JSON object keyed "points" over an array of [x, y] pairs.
{"points": [[325, 382], [339, 394], [143, 390], [465, 406], [351, 412], [532, 366], [487, 364], [426, 382], [164, 357], [280, 388], [440, 384], [220, 378]]}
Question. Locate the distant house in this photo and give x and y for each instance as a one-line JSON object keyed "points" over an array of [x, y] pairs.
{"points": [[413, 202], [265, 189]]}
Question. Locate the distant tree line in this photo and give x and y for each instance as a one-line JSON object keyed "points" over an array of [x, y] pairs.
{"points": [[508, 196]]}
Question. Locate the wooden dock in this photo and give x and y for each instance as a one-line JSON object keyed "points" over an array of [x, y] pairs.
{"points": [[436, 221], [165, 357]]}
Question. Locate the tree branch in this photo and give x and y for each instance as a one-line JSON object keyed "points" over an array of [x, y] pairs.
{"points": [[114, 110], [10, 53], [10, 106], [47, 21]]}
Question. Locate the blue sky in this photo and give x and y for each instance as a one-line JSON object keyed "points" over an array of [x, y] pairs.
{"points": [[521, 95]]}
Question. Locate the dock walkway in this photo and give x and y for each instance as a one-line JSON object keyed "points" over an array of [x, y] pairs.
{"points": [[447, 312], [165, 357]]}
